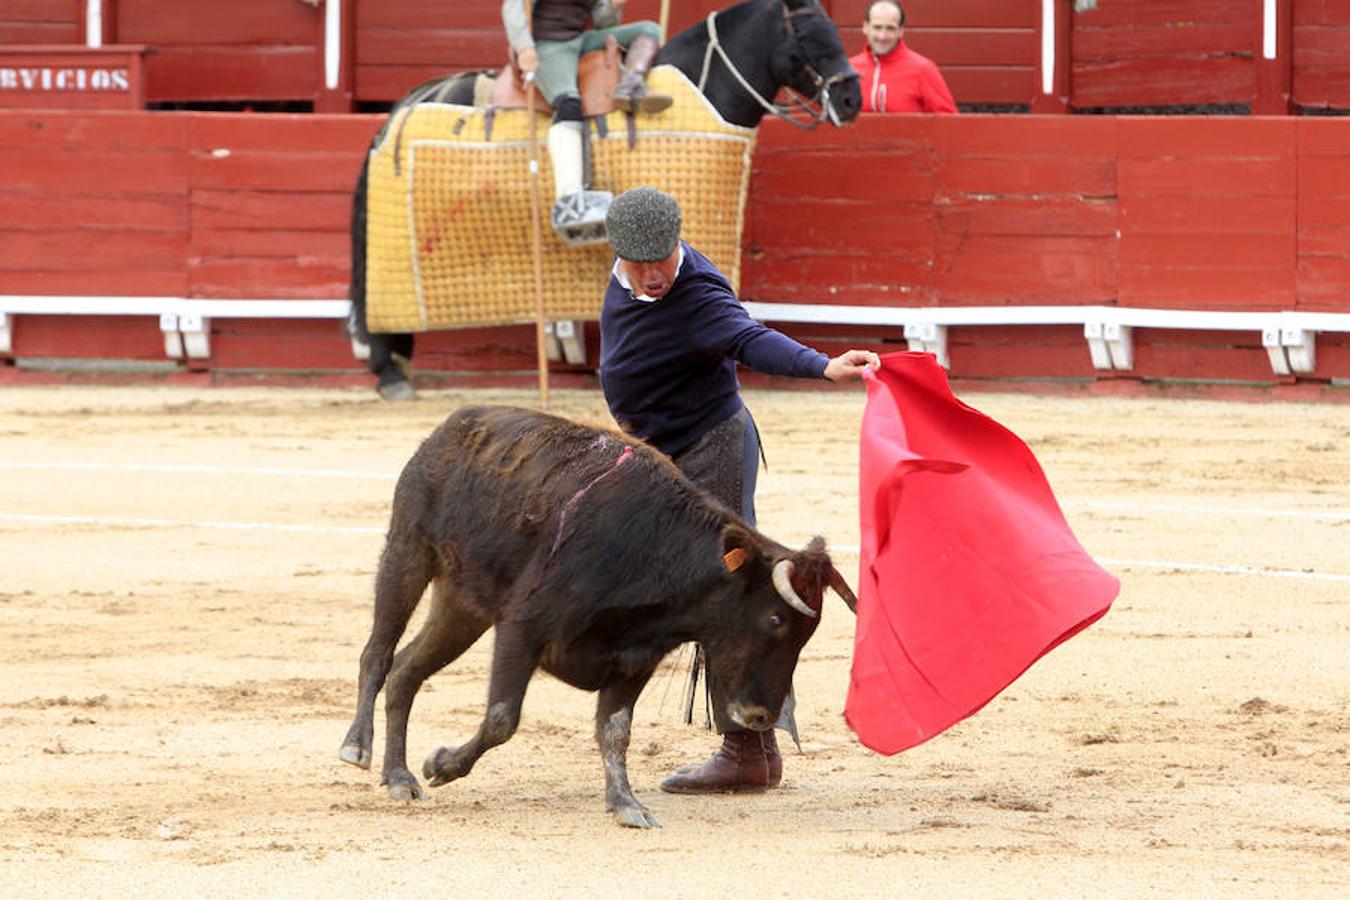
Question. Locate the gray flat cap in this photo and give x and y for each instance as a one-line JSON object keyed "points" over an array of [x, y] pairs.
{"points": [[644, 225]]}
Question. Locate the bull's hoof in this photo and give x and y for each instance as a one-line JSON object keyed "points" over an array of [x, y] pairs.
{"points": [[396, 390], [443, 766], [635, 815], [406, 788], [355, 755]]}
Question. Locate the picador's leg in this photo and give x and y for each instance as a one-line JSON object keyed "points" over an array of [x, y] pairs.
{"points": [[514, 658], [390, 354], [631, 93], [578, 214], [451, 628], [406, 567], [613, 727]]}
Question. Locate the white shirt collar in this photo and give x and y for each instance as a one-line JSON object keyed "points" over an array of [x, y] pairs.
{"points": [[623, 279]]}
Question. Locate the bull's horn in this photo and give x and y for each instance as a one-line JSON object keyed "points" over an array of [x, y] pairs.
{"points": [[782, 582]]}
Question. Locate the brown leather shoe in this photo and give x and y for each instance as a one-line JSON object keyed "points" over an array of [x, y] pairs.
{"points": [[740, 764]]}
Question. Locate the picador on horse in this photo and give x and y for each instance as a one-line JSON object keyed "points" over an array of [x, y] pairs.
{"points": [[729, 67], [550, 48]]}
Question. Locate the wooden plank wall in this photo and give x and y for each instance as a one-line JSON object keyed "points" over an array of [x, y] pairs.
{"points": [[1125, 52], [986, 51], [241, 50], [175, 204], [1165, 52], [1322, 53], [1182, 213], [1216, 213], [400, 45], [39, 21]]}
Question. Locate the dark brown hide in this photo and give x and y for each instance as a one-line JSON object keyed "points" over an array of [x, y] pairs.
{"points": [[593, 557]]}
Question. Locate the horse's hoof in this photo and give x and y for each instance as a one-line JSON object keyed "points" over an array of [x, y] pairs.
{"points": [[397, 391], [354, 755]]}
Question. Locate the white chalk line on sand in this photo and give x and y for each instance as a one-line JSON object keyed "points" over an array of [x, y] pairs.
{"points": [[842, 550], [1333, 514], [195, 469], [130, 522]]}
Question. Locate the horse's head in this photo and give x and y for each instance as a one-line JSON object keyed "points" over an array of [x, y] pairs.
{"points": [[742, 56], [813, 63]]}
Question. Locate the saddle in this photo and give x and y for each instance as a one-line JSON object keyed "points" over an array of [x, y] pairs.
{"points": [[598, 74]]}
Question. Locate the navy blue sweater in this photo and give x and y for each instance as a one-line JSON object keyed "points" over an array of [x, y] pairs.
{"points": [[668, 367]]}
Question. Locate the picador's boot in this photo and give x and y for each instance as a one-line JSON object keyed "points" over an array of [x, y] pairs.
{"points": [[631, 94], [739, 765], [578, 215]]}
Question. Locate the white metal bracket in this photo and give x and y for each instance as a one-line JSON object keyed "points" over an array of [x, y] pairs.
{"points": [[1111, 345], [173, 341], [1300, 345], [929, 337], [566, 341], [571, 336], [196, 332], [1292, 351]]}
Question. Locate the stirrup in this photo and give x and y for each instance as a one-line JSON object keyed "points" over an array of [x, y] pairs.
{"points": [[579, 217]]}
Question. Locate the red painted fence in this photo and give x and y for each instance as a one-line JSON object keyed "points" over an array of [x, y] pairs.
{"points": [[1120, 53], [1214, 213]]}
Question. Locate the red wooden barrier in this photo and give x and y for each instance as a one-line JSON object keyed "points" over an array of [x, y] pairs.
{"points": [[1118, 53], [1177, 213], [1322, 60], [40, 22]]}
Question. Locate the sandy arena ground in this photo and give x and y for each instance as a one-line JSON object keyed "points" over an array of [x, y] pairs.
{"points": [[187, 579]]}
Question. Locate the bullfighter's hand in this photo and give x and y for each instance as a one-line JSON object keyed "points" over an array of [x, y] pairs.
{"points": [[528, 60], [851, 364]]}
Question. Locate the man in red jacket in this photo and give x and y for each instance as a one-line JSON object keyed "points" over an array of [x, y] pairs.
{"points": [[894, 77]]}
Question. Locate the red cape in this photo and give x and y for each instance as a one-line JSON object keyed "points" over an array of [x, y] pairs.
{"points": [[969, 572]]}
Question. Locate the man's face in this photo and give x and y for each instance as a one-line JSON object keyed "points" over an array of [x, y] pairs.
{"points": [[653, 279], [882, 28]]}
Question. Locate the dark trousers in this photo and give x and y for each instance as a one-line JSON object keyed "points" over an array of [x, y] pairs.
{"points": [[725, 463]]}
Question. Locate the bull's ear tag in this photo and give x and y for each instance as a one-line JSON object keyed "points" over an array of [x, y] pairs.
{"points": [[734, 559]]}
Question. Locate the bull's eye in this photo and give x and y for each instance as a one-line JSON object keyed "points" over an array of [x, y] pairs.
{"points": [[776, 621]]}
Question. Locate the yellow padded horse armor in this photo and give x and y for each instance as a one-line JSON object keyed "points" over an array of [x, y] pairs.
{"points": [[448, 230]]}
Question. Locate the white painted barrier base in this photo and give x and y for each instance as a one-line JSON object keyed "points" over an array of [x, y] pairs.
{"points": [[1290, 338]]}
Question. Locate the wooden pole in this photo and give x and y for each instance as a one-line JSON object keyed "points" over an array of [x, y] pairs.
{"points": [[537, 247], [665, 20]]}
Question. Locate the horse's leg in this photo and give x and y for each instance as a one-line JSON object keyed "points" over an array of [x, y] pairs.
{"points": [[390, 354]]}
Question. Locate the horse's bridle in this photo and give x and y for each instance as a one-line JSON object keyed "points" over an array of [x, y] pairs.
{"points": [[824, 109]]}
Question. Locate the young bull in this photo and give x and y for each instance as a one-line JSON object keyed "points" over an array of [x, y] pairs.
{"points": [[593, 557]]}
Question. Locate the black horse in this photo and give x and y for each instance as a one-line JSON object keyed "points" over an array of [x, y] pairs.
{"points": [[740, 57]]}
